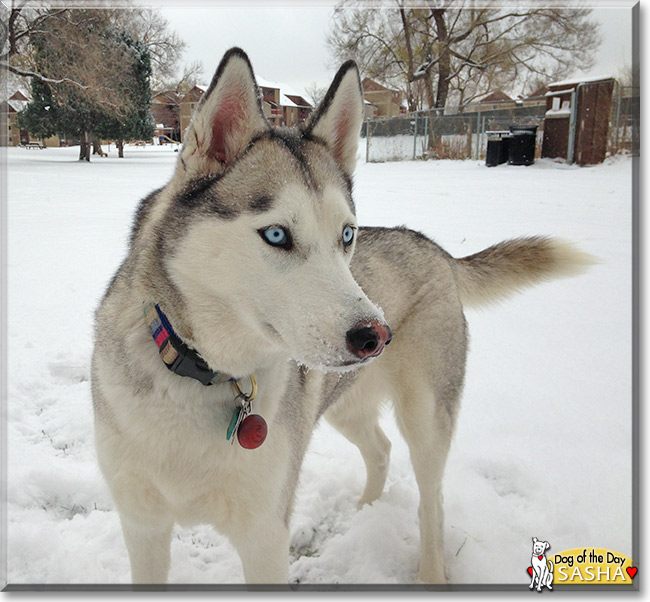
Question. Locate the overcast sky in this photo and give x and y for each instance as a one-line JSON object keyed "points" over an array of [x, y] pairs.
{"points": [[288, 44]]}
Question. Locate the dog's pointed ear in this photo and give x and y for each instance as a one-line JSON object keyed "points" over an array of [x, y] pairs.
{"points": [[337, 120], [534, 539], [227, 118]]}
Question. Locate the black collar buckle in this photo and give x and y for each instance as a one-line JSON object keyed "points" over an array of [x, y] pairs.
{"points": [[189, 363], [175, 354]]}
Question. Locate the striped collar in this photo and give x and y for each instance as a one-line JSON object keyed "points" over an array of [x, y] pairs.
{"points": [[175, 354]]}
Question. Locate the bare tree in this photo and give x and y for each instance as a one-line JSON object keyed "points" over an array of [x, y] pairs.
{"points": [[186, 80], [165, 46], [626, 77], [71, 53], [17, 30], [315, 92], [457, 48], [25, 22]]}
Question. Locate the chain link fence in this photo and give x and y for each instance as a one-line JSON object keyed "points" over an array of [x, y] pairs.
{"points": [[461, 132], [625, 121]]}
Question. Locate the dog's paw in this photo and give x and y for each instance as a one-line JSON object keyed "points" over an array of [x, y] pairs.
{"points": [[433, 575], [366, 500]]}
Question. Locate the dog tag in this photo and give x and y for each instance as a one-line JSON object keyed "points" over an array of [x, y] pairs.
{"points": [[252, 431], [233, 423], [251, 428], [238, 416]]}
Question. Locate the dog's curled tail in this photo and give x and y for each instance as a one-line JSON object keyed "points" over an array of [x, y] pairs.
{"points": [[510, 266]]}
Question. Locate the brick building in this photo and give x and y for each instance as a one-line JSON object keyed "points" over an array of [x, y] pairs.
{"points": [[281, 104]]}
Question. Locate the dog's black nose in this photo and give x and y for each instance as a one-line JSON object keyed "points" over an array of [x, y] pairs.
{"points": [[368, 338]]}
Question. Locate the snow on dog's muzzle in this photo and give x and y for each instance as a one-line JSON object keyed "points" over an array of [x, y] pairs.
{"points": [[368, 339]]}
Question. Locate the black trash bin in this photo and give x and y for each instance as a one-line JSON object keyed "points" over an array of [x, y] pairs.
{"points": [[497, 148], [521, 148]]}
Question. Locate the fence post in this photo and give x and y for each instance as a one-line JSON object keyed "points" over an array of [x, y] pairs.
{"points": [[572, 126], [618, 115], [478, 131], [415, 134], [367, 139], [480, 146], [426, 136]]}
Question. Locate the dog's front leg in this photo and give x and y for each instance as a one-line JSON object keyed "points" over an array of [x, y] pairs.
{"points": [[148, 544], [542, 578], [264, 552], [356, 417], [146, 524], [532, 581]]}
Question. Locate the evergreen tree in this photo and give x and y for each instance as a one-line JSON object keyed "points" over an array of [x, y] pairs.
{"points": [[137, 122], [41, 116], [116, 105]]}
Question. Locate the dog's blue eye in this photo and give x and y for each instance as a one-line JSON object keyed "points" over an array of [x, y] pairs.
{"points": [[348, 235], [277, 237]]}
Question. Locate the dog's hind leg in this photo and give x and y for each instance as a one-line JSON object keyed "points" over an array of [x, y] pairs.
{"points": [[356, 416], [429, 367], [427, 432]]}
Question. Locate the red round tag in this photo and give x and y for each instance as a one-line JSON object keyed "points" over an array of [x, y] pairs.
{"points": [[252, 431]]}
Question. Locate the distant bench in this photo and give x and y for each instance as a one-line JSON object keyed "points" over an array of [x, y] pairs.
{"points": [[31, 145]]}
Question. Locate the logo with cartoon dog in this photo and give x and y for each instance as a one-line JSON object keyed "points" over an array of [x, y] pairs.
{"points": [[578, 566], [541, 569]]}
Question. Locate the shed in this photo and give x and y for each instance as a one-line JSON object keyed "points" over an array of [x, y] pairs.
{"points": [[576, 122]]}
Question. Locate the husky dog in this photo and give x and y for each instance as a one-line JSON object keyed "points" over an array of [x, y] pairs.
{"points": [[249, 306]]}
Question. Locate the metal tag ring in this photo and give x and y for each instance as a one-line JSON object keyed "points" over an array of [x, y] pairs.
{"points": [[253, 392]]}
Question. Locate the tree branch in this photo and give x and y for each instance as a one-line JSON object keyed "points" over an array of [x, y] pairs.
{"points": [[40, 77]]}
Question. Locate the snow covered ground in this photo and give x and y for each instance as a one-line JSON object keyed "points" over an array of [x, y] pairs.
{"points": [[543, 446]]}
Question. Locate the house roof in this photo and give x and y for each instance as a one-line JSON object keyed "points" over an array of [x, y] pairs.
{"points": [[288, 96], [266, 83], [194, 94], [539, 92], [165, 97], [19, 95], [16, 106], [370, 85], [496, 96], [299, 101]]}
